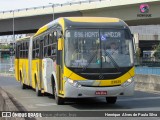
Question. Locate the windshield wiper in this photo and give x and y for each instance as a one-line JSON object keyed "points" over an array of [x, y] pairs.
{"points": [[113, 61], [90, 60]]}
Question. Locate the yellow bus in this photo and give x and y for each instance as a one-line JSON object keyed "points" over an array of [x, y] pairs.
{"points": [[21, 61], [79, 57]]}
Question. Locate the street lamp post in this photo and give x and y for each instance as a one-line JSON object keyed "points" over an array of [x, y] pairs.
{"points": [[13, 27], [13, 40], [52, 9]]}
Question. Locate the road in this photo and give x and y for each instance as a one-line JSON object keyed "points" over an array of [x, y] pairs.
{"points": [[141, 101]]}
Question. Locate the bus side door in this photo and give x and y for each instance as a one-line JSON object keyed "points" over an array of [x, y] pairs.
{"points": [[59, 70]]}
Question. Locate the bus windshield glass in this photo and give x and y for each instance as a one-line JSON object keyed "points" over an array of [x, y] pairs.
{"points": [[98, 48]]}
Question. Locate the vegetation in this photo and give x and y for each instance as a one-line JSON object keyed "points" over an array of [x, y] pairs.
{"points": [[138, 52], [5, 46], [157, 52]]}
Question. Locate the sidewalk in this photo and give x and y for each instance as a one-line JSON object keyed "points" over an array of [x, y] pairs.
{"points": [[9, 103], [6, 103], [1, 102]]}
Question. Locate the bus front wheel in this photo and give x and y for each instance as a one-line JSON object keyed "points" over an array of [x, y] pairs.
{"points": [[59, 100], [111, 100]]}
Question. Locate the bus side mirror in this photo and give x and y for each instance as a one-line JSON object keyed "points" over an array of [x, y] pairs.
{"points": [[132, 35], [134, 45], [60, 43]]}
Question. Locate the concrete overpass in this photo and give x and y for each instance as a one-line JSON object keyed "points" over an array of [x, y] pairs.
{"points": [[30, 19]]}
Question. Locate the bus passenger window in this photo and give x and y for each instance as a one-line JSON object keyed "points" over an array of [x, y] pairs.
{"points": [[34, 44], [33, 54], [27, 53], [45, 52], [49, 50], [55, 37], [37, 53], [53, 50], [51, 38], [27, 49], [46, 40], [37, 44], [23, 49]]}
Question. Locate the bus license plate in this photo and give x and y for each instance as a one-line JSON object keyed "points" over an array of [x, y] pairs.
{"points": [[101, 92]]}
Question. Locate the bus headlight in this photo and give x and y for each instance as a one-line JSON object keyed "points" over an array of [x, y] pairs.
{"points": [[72, 82], [128, 82]]}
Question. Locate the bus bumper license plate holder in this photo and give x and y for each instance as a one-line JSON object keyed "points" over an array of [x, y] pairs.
{"points": [[101, 93]]}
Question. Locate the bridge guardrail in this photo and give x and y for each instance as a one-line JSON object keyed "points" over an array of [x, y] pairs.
{"points": [[53, 5]]}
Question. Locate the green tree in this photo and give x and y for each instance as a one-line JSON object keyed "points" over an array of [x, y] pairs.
{"points": [[5, 46], [138, 52], [157, 52]]}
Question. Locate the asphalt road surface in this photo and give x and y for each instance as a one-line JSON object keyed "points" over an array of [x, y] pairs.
{"points": [[141, 101]]}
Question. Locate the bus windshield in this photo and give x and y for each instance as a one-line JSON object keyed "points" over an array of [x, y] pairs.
{"points": [[98, 48]]}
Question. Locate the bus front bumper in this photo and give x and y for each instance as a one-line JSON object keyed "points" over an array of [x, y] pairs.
{"points": [[84, 92]]}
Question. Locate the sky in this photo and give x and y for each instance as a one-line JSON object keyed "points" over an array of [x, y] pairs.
{"points": [[19, 4]]}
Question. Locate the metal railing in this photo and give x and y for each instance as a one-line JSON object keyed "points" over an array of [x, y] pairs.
{"points": [[7, 69], [147, 70], [150, 62], [53, 5], [150, 66], [7, 65]]}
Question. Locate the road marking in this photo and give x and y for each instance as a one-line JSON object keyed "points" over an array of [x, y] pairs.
{"points": [[46, 104], [31, 106], [145, 98], [28, 97]]}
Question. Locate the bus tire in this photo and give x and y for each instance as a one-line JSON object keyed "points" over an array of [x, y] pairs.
{"points": [[38, 92], [23, 86], [59, 100], [111, 100], [53, 87]]}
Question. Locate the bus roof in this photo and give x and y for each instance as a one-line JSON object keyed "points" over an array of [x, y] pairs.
{"points": [[80, 21], [93, 19], [23, 39]]}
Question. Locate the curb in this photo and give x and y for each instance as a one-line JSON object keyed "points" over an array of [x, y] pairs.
{"points": [[1, 102], [7, 105]]}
